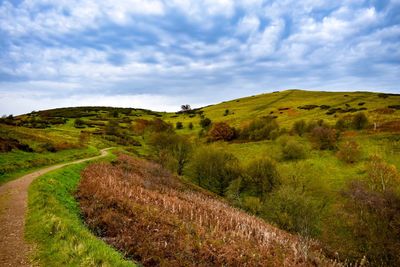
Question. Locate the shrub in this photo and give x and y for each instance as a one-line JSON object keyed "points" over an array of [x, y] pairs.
{"points": [[349, 152], [214, 169], [112, 128], [294, 211], [381, 175], [221, 131], [205, 123], [293, 150], [79, 123], [179, 125], [373, 222], [324, 138], [360, 121], [263, 176], [299, 127], [190, 126], [260, 129], [171, 150]]}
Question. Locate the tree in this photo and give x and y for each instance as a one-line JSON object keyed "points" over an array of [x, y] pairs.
{"points": [[214, 169], [185, 108], [261, 129], [360, 121], [112, 128], [263, 175], [221, 131], [171, 150], [190, 125]]}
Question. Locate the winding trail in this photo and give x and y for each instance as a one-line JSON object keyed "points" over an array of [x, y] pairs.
{"points": [[14, 250]]}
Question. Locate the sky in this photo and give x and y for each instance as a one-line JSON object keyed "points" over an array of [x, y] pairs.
{"points": [[160, 54]]}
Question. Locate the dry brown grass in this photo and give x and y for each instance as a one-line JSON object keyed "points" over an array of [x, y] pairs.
{"points": [[152, 217]]}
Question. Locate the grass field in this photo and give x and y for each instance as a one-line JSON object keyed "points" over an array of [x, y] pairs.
{"points": [[54, 224]]}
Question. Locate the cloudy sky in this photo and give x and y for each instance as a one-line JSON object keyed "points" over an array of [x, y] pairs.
{"points": [[159, 54]]}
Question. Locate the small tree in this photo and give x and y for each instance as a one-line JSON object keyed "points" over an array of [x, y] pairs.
{"points": [[190, 126], [349, 152], [263, 175], [221, 131], [185, 108], [214, 169], [360, 121]]}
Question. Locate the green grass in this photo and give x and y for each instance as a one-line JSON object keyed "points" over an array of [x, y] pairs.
{"points": [[245, 109], [55, 227], [17, 163]]}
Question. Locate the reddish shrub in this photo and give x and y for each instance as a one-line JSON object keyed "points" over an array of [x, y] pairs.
{"points": [[221, 131]]}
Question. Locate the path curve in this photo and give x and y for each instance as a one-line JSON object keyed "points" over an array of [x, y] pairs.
{"points": [[14, 250]]}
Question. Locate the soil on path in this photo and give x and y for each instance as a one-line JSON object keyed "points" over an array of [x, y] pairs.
{"points": [[14, 250]]}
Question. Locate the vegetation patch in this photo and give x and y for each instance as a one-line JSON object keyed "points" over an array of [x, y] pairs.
{"points": [[54, 224], [153, 217]]}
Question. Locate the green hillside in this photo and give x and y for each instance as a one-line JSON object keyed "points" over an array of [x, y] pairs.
{"points": [[320, 165]]}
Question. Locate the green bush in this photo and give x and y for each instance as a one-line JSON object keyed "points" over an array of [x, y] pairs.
{"points": [[261, 129], [293, 150], [262, 176], [171, 150], [205, 123], [360, 121], [294, 211], [213, 168], [299, 127], [179, 125]]}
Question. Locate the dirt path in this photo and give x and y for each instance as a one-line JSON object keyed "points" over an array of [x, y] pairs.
{"points": [[14, 250]]}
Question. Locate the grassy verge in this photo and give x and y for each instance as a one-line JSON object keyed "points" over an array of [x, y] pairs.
{"points": [[17, 163], [54, 224]]}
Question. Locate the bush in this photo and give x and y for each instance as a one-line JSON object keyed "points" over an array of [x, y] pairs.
{"points": [[373, 222], [293, 150], [221, 131], [190, 126], [214, 169], [294, 211], [261, 129], [205, 123], [263, 176], [79, 123], [171, 150], [179, 125], [299, 127], [381, 175], [360, 121], [349, 152], [324, 138]]}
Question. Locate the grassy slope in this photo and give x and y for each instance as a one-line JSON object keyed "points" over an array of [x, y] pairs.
{"points": [[245, 109], [54, 224]]}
